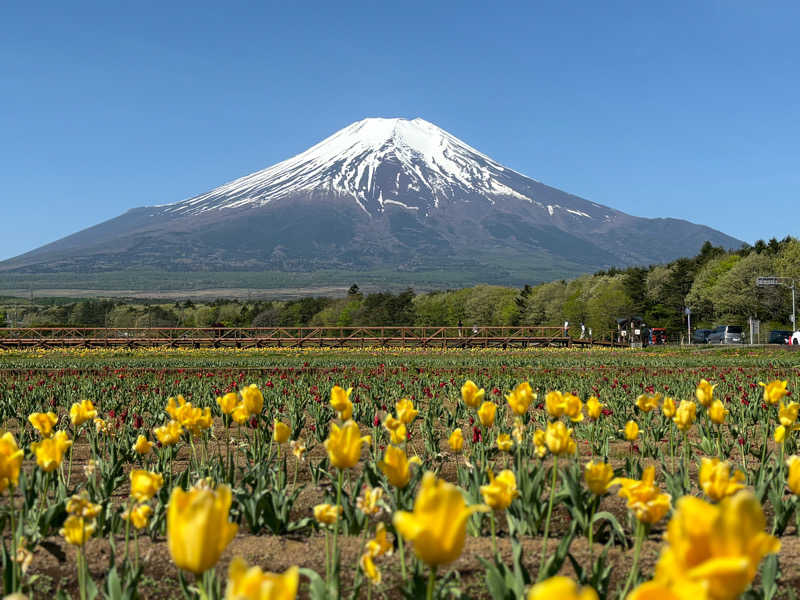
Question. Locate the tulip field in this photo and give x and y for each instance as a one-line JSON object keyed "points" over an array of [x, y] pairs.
{"points": [[395, 473]]}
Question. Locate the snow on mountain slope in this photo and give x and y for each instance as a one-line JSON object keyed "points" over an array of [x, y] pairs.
{"points": [[412, 164]]}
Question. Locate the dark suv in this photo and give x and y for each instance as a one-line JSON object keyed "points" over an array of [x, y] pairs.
{"points": [[700, 336], [779, 336], [726, 334]]}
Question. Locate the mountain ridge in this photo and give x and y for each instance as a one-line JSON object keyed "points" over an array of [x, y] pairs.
{"points": [[398, 193]]}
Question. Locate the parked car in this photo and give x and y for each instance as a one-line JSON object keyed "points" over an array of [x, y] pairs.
{"points": [[796, 338], [726, 334], [700, 336], [779, 336], [658, 335]]}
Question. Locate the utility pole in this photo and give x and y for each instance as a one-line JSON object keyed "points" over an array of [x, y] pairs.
{"points": [[688, 312]]}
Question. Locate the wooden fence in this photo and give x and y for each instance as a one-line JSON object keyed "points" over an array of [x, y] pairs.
{"points": [[292, 337]]}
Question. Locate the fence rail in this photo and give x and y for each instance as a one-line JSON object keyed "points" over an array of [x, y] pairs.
{"points": [[291, 337]]}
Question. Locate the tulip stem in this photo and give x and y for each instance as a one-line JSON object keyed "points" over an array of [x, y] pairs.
{"points": [[136, 545], [327, 558], [127, 528], [13, 539], [671, 449], [401, 548], [686, 483], [637, 550], [494, 538], [592, 510], [334, 554], [547, 519], [69, 467], [431, 583]]}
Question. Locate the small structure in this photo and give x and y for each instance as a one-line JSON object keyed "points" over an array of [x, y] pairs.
{"points": [[633, 331]]}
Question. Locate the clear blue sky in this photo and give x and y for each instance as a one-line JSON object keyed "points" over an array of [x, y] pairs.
{"points": [[683, 109]]}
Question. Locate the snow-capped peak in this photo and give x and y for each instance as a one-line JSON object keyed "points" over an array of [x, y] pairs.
{"points": [[408, 163]]}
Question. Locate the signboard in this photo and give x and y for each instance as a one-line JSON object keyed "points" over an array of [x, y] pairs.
{"points": [[767, 281]]}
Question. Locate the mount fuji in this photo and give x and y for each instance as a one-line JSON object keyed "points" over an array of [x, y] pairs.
{"points": [[380, 194]]}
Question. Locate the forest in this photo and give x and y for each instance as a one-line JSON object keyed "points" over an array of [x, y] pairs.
{"points": [[719, 286]]}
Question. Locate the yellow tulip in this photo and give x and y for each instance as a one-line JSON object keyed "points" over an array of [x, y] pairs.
{"points": [[558, 405], [340, 401], [540, 443], [573, 408], [471, 395], [716, 546], [298, 449], [198, 530], [668, 408], [631, 431], [716, 481], [598, 477], [380, 544], [79, 505], [397, 431], [594, 408], [50, 451], [787, 414], [504, 443], [251, 583], [344, 445], [240, 414], [685, 415], [647, 402], [780, 434], [327, 514], [77, 530], [520, 398], [370, 569], [228, 402], [138, 516], [142, 447], [644, 498], [144, 484], [655, 590], [559, 439], [518, 432], [487, 413], [100, 426], [369, 502], [82, 411], [555, 404], [253, 399], [774, 391], [405, 411], [438, 524], [704, 392], [396, 466], [169, 434], [193, 418], [43, 422], [501, 490], [280, 432], [717, 412], [10, 461], [456, 440], [561, 588], [793, 476]]}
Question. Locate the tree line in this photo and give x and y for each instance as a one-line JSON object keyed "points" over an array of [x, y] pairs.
{"points": [[718, 285]]}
